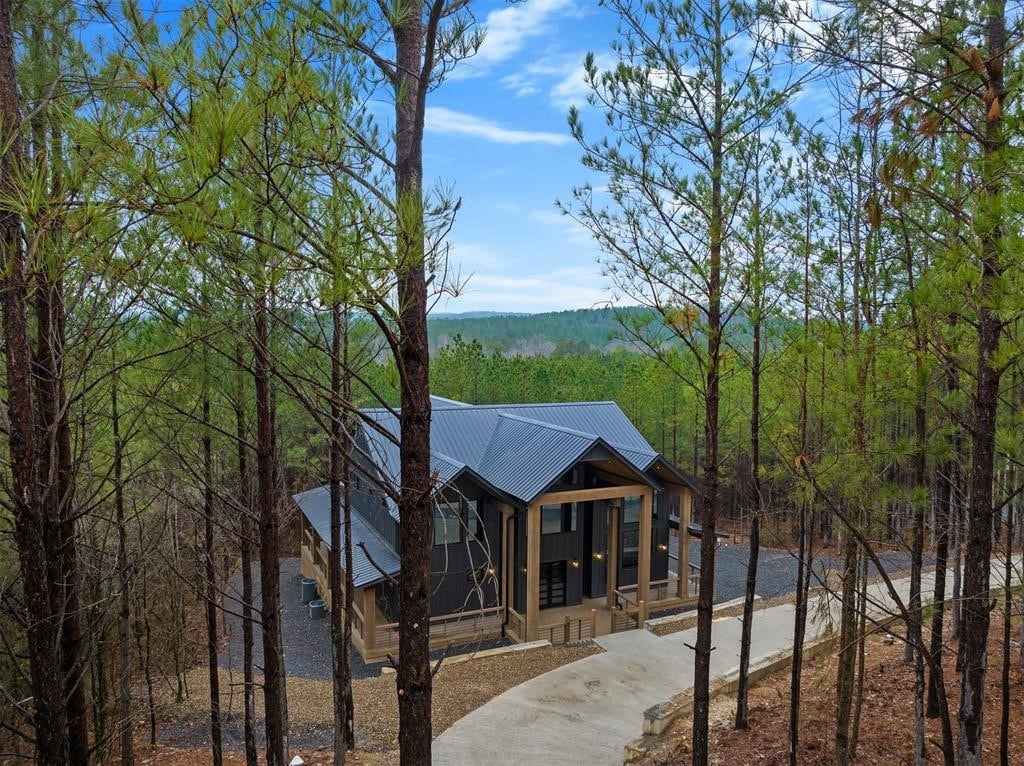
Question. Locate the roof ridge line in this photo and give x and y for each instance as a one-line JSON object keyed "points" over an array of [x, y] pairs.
{"points": [[552, 426]]}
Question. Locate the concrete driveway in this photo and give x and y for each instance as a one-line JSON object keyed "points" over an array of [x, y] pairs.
{"points": [[586, 712]]}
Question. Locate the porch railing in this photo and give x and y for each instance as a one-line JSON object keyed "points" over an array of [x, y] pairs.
{"points": [[694, 579], [447, 628], [516, 624], [627, 618], [570, 629]]}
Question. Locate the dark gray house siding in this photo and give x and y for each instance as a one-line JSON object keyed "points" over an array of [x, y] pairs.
{"points": [[453, 566]]}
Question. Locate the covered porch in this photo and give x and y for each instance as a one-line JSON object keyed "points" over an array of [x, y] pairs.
{"points": [[621, 606]]}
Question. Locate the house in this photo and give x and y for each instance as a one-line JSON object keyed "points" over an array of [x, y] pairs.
{"points": [[551, 521]]}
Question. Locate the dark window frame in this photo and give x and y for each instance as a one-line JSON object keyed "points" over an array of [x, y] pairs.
{"points": [[568, 518], [469, 516]]}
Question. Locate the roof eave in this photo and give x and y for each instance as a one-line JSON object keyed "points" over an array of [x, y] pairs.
{"points": [[599, 442]]}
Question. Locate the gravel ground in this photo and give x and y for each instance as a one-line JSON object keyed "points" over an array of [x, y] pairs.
{"points": [[776, 569], [458, 689], [307, 643]]}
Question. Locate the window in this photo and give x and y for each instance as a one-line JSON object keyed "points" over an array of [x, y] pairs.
{"points": [[630, 548], [447, 523], [557, 518], [550, 519], [631, 510], [474, 521]]}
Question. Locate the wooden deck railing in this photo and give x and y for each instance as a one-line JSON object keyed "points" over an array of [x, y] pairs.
{"points": [[516, 624], [570, 629], [625, 619], [694, 579], [447, 629]]}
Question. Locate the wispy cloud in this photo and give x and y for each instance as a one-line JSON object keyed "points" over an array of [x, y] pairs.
{"points": [[442, 120], [575, 287], [509, 29], [563, 78]]}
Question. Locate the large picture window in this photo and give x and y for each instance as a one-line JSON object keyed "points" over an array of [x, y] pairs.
{"points": [[555, 519], [447, 523], [631, 510]]}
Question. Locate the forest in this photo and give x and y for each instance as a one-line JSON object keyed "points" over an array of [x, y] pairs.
{"points": [[217, 249]]}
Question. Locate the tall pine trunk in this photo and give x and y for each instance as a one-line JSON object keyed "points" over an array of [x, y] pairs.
{"points": [[245, 492], [49, 714], [125, 721], [341, 667], [275, 712], [216, 745], [973, 651], [750, 592], [710, 482]]}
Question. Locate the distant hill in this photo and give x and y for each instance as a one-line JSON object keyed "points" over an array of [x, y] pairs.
{"points": [[557, 332], [477, 314]]}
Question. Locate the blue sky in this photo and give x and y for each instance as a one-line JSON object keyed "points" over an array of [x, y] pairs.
{"points": [[497, 134]]}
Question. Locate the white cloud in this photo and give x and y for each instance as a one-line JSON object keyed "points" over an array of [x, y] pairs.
{"points": [[508, 29], [569, 288], [561, 77], [442, 120]]}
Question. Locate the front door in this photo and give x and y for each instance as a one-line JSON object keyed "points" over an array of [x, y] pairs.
{"points": [[552, 584]]}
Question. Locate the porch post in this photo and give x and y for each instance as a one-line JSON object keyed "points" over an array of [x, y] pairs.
{"points": [[643, 575], [613, 551], [369, 620], [532, 572], [506, 566]]}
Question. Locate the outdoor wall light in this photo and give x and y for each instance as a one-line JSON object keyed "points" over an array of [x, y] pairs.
{"points": [[575, 563], [523, 570], [662, 547], [490, 571], [598, 556]]}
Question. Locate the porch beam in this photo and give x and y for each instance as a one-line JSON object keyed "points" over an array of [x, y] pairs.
{"points": [[599, 493], [643, 575], [533, 571]]}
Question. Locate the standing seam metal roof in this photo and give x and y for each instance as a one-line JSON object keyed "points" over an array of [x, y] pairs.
{"points": [[367, 544]]}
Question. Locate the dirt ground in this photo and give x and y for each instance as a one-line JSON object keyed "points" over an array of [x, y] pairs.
{"points": [[459, 688], [887, 724]]}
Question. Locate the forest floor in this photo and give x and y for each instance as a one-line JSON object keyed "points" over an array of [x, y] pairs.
{"points": [[887, 722], [458, 689]]}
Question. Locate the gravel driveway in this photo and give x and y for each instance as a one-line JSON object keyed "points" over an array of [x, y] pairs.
{"points": [[307, 643], [776, 568]]}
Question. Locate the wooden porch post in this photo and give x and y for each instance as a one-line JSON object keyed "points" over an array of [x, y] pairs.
{"points": [[369, 620], [533, 572], [507, 566], [613, 552], [643, 575]]}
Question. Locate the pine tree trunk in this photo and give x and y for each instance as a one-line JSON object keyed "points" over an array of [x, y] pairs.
{"points": [[710, 482], [275, 712], [49, 714], [750, 593], [340, 657], [1004, 719], [245, 492], [973, 653], [414, 680], [216, 745], [125, 721]]}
